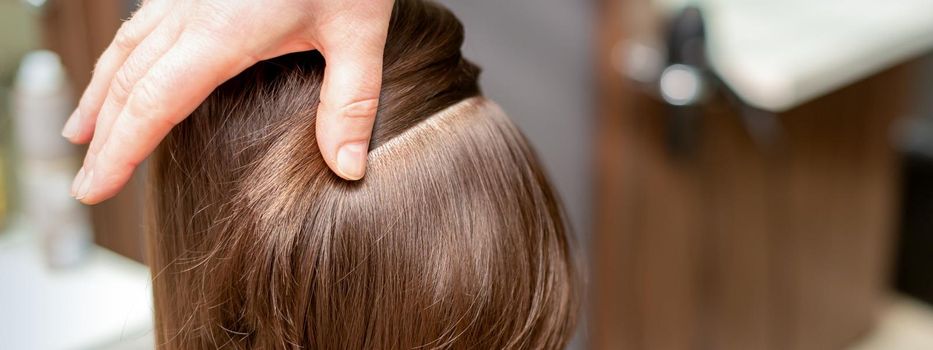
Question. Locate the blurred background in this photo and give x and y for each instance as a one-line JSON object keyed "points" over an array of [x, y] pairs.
{"points": [[741, 174]]}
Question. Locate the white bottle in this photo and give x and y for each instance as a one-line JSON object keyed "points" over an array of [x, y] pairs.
{"points": [[42, 100]]}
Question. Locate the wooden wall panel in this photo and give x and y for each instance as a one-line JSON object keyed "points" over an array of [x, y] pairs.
{"points": [[742, 245], [79, 31]]}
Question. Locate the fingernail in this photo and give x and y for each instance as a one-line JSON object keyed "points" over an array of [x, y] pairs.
{"points": [[351, 160], [85, 185], [71, 126]]}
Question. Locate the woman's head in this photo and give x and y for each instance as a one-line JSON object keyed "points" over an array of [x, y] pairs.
{"points": [[453, 239]]}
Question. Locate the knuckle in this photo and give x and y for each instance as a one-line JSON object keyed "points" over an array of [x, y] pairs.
{"points": [[145, 103], [121, 86], [361, 109], [125, 39], [148, 104]]}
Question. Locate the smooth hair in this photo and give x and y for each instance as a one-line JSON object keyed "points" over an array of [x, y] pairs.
{"points": [[454, 239]]}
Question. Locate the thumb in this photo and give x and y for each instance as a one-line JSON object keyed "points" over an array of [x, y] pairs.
{"points": [[348, 103]]}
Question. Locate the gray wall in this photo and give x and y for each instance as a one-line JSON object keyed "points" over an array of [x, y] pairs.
{"points": [[536, 63], [924, 94]]}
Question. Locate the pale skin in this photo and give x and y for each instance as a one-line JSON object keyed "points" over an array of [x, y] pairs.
{"points": [[171, 54]]}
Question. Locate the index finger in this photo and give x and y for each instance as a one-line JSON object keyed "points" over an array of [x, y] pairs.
{"points": [[349, 101], [168, 93]]}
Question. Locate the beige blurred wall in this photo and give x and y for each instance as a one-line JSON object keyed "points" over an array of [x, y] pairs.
{"points": [[18, 34], [536, 60]]}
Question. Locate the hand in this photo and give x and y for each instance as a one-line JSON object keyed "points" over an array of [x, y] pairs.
{"points": [[169, 57]]}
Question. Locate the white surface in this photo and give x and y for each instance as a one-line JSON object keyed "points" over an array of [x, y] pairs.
{"points": [[906, 325], [779, 54], [105, 301]]}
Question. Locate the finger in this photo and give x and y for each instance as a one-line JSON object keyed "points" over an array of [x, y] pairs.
{"points": [[153, 47], [168, 93], [349, 101], [80, 126]]}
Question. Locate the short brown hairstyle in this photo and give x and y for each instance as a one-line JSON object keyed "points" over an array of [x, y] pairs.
{"points": [[454, 239]]}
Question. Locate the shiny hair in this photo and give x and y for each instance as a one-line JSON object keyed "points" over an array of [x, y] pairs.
{"points": [[454, 238]]}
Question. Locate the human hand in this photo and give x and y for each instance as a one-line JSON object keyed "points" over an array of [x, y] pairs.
{"points": [[173, 53]]}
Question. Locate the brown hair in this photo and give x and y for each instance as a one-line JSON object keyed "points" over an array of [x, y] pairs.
{"points": [[454, 239]]}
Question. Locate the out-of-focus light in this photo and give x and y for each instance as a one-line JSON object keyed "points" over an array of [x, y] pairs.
{"points": [[681, 85], [638, 61], [36, 3]]}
